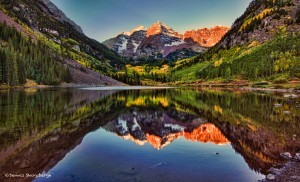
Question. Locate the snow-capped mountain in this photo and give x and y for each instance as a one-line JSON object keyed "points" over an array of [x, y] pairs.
{"points": [[159, 40], [127, 43], [159, 129]]}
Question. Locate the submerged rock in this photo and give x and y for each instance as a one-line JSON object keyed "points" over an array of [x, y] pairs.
{"points": [[130, 171], [295, 177], [297, 156], [271, 177], [275, 171], [286, 155]]}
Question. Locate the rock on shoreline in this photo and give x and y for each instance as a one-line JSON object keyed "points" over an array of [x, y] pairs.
{"points": [[290, 172]]}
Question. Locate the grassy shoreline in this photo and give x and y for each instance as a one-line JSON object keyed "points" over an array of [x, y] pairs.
{"points": [[291, 86]]}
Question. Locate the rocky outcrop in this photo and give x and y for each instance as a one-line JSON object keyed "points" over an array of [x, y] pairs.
{"points": [[262, 21], [206, 37], [59, 15]]}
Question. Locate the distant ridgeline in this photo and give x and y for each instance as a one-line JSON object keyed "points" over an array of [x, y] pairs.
{"points": [[38, 42], [263, 43]]}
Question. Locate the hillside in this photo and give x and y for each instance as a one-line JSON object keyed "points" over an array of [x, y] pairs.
{"points": [[263, 44], [51, 48]]}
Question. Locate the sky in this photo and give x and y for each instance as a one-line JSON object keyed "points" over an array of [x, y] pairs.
{"points": [[104, 19]]}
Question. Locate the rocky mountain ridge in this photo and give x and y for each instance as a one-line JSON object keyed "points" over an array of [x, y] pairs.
{"points": [[59, 15], [262, 21], [206, 37], [159, 40]]}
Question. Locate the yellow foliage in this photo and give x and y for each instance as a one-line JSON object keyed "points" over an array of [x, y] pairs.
{"points": [[253, 128], [30, 83], [253, 44], [259, 155], [218, 109], [260, 16], [218, 63], [141, 101], [164, 102], [165, 68], [137, 102]]}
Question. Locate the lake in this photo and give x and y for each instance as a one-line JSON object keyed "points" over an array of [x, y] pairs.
{"points": [[145, 134]]}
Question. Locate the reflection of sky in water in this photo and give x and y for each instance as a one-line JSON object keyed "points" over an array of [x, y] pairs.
{"points": [[103, 156]]}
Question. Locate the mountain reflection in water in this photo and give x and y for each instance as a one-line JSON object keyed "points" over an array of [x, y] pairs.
{"points": [[39, 128], [159, 130]]}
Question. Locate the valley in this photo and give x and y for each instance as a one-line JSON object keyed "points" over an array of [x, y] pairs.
{"points": [[261, 46]]}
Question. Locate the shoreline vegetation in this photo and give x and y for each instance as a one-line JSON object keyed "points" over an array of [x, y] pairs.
{"points": [[289, 87]]}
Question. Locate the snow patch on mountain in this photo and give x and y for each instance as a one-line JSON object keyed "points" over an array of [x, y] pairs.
{"points": [[136, 45], [135, 126], [123, 46], [176, 43], [122, 124], [175, 127]]}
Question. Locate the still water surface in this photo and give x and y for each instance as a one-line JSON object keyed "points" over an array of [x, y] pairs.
{"points": [[167, 134]]}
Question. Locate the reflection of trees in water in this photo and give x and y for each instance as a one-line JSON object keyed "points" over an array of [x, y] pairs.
{"points": [[41, 150], [59, 120], [32, 115], [24, 113], [256, 128]]}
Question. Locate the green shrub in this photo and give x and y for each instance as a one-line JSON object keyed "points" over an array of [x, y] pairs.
{"points": [[281, 79]]}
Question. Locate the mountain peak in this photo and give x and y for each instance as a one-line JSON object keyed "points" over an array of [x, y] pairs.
{"points": [[160, 24], [161, 28], [138, 28], [125, 33]]}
